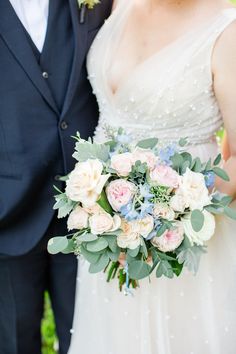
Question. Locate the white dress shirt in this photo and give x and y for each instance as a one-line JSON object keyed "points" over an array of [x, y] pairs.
{"points": [[34, 16]]}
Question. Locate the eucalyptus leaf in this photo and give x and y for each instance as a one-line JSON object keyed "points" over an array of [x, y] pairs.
{"points": [[70, 247], [144, 249], [226, 200], [97, 245], [87, 237], [91, 257], [196, 165], [217, 160], [221, 173], [57, 244], [139, 270], [197, 220], [208, 166], [183, 142], [133, 253], [162, 229], [86, 150], [177, 161], [100, 264], [114, 256], [112, 242], [231, 213], [190, 257], [214, 209], [164, 268], [148, 143]]}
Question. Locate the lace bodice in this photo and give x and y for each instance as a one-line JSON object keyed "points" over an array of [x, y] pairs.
{"points": [[170, 95]]}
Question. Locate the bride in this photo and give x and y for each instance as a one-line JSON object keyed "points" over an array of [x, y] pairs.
{"points": [[166, 68]]}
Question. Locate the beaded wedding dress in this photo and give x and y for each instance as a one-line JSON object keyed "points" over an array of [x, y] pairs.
{"points": [[168, 96]]}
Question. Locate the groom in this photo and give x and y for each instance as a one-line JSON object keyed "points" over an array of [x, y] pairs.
{"points": [[45, 98]]}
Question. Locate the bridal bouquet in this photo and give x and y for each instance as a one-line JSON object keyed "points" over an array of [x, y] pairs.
{"points": [[138, 208]]}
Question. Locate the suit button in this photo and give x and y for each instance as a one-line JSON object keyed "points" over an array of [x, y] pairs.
{"points": [[57, 178], [64, 125], [45, 75]]}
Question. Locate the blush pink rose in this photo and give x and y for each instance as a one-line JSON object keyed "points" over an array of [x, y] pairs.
{"points": [[122, 163], [145, 155], [170, 240], [165, 176], [119, 193]]}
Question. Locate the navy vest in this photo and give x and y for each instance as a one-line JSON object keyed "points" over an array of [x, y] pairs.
{"points": [[44, 100]]}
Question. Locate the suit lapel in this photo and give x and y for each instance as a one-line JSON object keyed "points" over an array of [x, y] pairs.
{"points": [[14, 36], [80, 41]]}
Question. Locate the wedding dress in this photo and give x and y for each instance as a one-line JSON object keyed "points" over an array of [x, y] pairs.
{"points": [[169, 95]]}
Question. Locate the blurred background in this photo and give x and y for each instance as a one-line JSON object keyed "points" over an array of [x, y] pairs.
{"points": [[49, 343]]}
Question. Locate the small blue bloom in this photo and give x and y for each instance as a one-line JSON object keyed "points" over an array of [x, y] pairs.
{"points": [[153, 233], [146, 208], [166, 153], [123, 139], [209, 179], [144, 191], [128, 212]]}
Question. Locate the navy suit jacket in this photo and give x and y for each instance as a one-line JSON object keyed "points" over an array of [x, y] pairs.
{"points": [[35, 138]]}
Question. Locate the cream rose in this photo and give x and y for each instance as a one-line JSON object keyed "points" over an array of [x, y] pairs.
{"points": [[86, 182], [178, 203], [122, 163], [170, 240], [163, 211], [130, 237], [94, 209], [204, 234], [146, 226], [104, 222], [78, 219], [119, 193], [193, 190], [145, 156]]}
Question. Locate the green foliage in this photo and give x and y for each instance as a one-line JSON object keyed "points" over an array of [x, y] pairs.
{"points": [[48, 329], [84, 150]]}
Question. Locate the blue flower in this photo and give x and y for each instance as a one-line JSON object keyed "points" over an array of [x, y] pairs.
{"points": [[123, 139], [153, 233], [146, 208], [128, 212], [144, 191], [210, 179], [166, 153]]}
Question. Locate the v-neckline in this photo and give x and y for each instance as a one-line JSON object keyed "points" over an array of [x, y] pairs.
{"points": [[204, 25]]}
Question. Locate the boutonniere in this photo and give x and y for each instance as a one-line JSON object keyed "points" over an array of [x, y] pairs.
{"points": [[83, 5]]}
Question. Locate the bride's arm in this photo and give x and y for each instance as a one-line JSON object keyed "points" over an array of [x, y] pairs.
{"points": [[224, 71]]}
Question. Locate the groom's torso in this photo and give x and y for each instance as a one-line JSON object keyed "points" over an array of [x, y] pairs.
{"points": [[45, 98]]}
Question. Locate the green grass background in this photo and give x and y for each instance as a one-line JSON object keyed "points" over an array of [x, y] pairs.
{"points": [[49, 340]]}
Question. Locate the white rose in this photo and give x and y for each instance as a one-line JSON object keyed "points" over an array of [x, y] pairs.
{"points": [[122, 163], [145, 155], [163, 211], [130, 237], [78, 219], [146, 226], [86, 182], [194, 191], [178, 203], [104, 222], [204, 234]]}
